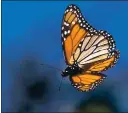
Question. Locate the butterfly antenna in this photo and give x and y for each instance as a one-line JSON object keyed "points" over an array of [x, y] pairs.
{"points": [[52, 67], [60, 83], [56, 69]]}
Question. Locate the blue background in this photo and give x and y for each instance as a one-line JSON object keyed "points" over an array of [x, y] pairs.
{"points": [[32, 31]]}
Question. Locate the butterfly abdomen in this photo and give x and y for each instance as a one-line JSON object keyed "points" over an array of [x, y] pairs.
{"points": [[71, 70]]}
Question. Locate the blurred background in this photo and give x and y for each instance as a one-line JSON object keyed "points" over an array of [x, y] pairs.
{"points": [[31, 35]]}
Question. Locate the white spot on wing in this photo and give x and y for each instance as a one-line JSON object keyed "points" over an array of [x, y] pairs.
{"points": [[65, 32]]}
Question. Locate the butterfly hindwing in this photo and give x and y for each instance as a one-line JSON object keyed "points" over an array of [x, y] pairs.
{"points": [[95, 47], [87, 82], [74, 29], [105, 64]]}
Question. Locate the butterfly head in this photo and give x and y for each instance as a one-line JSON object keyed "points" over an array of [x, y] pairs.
{"points": [[71, 70]]}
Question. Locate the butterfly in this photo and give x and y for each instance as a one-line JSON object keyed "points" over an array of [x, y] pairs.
{"points": [[87, 51]]}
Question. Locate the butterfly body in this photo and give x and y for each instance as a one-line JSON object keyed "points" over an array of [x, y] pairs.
{"points": [[72, 70], [87, 51]]}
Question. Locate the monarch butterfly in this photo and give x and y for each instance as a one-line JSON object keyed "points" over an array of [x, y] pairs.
{"points": [[87, 51]]}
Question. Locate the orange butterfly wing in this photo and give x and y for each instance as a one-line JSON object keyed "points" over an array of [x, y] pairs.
{"points": [[104, 64], [91, 78], [74, 29], [87, 82]]}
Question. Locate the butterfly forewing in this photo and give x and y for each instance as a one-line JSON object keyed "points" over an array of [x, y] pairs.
{"points": [[74, 29]]}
